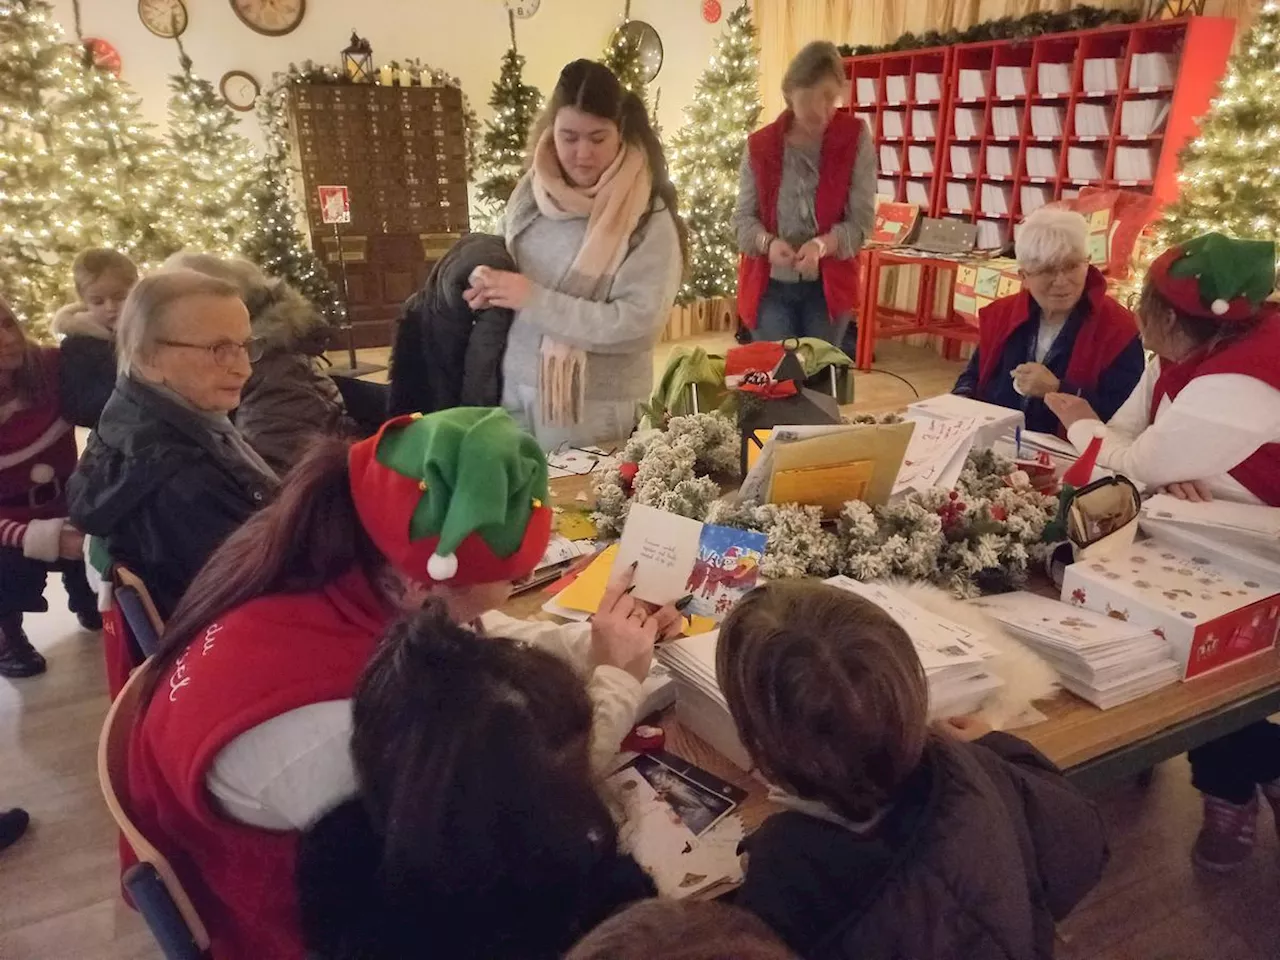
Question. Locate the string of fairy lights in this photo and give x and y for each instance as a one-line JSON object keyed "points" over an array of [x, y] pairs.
{"points": [[1229, 175], [705, 154]]}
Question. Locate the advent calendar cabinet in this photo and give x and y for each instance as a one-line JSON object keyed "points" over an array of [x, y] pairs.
{"points": [[402, 152], [988, 132]]}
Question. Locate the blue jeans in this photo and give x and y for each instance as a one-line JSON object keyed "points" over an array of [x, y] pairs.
{"points": [[793, 310]]}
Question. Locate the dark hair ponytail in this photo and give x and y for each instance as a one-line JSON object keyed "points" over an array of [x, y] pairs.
{"points": [[308, 536], [472, 759], [592, 88]]}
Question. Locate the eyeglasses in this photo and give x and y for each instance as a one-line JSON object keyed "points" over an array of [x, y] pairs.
{"points": [[1062, 270], [225, 352]]}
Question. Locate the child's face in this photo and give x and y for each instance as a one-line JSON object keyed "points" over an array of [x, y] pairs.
{"points": [[104, 296]]}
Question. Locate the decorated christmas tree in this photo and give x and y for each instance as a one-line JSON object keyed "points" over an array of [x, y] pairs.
{"points": [[706, 153], [37, 225], [118, 177], [214, 166], [515, 109], [622, 56], [273, 241], [1229, 178]]}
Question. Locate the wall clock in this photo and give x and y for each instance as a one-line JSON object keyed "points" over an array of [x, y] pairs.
{"points": [[239, 89], [271, 18], [649, 44], [164, 18], [524, 9]]}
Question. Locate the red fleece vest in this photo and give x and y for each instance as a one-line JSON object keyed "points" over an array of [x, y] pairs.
{"points": [[1257, 356], [1104, 333], [37, 453], [268, 657], [839, 152]]}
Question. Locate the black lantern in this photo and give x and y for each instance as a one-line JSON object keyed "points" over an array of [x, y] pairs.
{"points": [[357, 60], [759, 414]]}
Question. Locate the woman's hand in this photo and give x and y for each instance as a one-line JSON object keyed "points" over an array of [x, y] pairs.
{"points": [[623, 631], [498, 288], [809, 256], [1194, 491], [781, 253], [965, 729], [70, 543], [1035, 380], [1070, 409]]}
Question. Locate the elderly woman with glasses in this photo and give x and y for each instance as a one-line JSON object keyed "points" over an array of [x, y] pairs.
{"points": [[1060, 334], [166, 476]]}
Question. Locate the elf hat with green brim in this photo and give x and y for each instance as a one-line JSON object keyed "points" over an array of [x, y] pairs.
{"points": [[1216, 277], [455, 497]]}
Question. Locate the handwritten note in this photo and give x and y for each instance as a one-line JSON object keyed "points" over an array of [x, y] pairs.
{"points": [[664, 546]]}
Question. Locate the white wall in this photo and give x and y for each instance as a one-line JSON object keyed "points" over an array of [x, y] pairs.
{"points": [[465, 37]]}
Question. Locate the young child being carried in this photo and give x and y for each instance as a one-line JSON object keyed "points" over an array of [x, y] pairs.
{"points": [[896, 840], [103, 279]]}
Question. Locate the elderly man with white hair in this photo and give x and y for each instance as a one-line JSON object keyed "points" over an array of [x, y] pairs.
{"points": [[1060, 334]]}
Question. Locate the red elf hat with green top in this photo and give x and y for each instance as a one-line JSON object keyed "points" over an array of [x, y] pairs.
{"points": [[1216, 277], [456, 497]]}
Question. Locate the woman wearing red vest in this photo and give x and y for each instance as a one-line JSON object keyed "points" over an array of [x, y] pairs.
{"points": [[1060, 334], [1205, 422], [806, 200], [245, 735]]}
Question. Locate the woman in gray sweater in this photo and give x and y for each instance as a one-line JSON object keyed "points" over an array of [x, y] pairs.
{"points": [[594, 228]]}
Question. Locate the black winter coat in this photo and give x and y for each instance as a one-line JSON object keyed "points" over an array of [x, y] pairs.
{"points": [[88, 365], [445, 354], [161, 489], [347, 914], [985, 847]]}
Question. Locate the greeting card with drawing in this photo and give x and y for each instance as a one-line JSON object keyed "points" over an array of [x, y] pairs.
{"points": [[676, 557]]}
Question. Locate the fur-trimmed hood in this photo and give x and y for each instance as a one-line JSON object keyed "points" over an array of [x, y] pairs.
{"points": [[74, 320], [287, 320]]}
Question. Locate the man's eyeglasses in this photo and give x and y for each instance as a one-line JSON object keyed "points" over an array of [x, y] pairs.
{"points": [[225, 352], [1061, 270]]}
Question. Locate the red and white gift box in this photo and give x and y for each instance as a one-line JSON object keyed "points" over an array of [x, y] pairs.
{"points": [[1210, 615]]}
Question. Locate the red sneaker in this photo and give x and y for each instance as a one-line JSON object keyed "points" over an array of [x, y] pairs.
{"points": [[1227, 837]]}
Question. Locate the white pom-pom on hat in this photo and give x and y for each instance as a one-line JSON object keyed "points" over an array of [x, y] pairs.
{"points": [[42, 473], [442, 567], [1219, 307]]}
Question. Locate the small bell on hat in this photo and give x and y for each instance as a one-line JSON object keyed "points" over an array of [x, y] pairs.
{"points": [[454, 497], [1216, 277]]}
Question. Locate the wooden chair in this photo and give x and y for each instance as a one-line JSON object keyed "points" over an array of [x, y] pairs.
{"points": [[151, 883], [143, 620]]}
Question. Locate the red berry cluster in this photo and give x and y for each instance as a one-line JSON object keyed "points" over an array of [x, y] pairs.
{"points": [[952, 512]]}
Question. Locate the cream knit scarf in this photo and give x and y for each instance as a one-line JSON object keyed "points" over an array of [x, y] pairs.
{"points": [[612, 209]]}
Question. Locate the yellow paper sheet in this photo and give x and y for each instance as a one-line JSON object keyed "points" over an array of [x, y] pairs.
{"points": [[880, 445], [587, 591], [826, 487], [575, 525]]}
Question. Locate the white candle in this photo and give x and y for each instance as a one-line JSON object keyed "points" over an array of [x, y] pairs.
{"points": [[406, 77], [386, 75]]}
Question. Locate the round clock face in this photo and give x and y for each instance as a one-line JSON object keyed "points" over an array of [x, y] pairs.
{"points": [[239, 89], [164, 18], [272, 18], [524, 9]]}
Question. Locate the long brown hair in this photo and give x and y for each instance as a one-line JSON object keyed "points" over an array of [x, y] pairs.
{"points": [[31, 380], [592, 88], [827, 693], [308, 536], [472, 757]]}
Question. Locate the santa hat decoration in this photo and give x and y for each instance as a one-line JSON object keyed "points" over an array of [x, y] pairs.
{"points": [[1216, 277], [458, 496]]}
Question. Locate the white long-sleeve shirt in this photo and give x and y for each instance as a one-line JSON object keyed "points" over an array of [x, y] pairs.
{"points": [[285, 773], [1215, 423]]}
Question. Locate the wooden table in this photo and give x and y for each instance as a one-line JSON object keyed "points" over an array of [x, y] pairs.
{"points": [[1094, 747]]}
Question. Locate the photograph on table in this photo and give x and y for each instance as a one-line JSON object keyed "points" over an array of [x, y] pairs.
{"points": [[697, 799]]}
